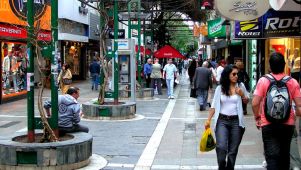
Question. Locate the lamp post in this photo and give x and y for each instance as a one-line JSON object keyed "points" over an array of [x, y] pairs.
{"points": [[30, 72], [115, 58], [54, 67]]}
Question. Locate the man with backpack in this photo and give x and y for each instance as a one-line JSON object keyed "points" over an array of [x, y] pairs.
{"points": [[273, 112]]}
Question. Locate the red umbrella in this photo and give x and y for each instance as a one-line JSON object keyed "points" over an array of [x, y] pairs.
{"points": [[147, 51], [168, 52]]}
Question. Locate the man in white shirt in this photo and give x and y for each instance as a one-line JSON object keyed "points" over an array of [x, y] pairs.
{"points": [[219, 70], [169, 73]]}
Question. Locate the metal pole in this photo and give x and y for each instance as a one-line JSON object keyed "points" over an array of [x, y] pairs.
{"points": [[115, 58], [30, 72], [129, 21], [101, 27], [139, 43], [54, 67]]}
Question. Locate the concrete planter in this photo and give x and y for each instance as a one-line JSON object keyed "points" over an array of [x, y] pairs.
{"points": [[109, 111], [70, 154]]}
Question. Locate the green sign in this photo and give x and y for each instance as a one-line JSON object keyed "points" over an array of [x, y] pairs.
{"points": [[216, 29]]}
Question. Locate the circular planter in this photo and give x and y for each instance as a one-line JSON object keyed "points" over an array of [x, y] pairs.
{"points": [[72, 153], [144, 93], [109, 111]]}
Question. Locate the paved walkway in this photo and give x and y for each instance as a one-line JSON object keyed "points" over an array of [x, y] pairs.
{"points": [[165, 135]]}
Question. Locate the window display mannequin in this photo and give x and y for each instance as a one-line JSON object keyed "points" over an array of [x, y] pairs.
{"points": [[10, 69], [295, 64]]}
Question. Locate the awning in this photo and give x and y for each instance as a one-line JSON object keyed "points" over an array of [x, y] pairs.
{"points": [[168, 52], [147, 51]]}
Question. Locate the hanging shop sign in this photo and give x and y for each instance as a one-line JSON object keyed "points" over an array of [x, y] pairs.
{"points": [[242, 10], [272, 24], [21, 33], [121, 34], [249, 29], [15, 12], [216, 29], [286, 5], [207, 4]]}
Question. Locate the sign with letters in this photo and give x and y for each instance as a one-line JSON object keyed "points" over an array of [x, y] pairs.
{"points": [[242, 10], [272, 24], [216, 29]]}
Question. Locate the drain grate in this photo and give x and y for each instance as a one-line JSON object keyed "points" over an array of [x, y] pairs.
{"points": [[12, 123]]}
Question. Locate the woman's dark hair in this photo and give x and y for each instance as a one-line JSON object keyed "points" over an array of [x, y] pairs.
{"points": [[67, 66], [277, 63], [225, 80]]}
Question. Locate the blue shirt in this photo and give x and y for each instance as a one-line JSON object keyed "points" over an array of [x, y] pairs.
{"points": [[147, 69]]}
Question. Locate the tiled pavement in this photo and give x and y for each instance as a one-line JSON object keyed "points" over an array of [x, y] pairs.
{"points": [[171, 127]]}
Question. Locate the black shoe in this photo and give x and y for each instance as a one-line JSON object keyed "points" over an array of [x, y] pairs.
{"points": [[202, 108], [209, 105]]}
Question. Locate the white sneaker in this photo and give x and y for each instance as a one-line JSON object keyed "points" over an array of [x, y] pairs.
{"points": [[172, 97], [169, 97], [264, 164]]}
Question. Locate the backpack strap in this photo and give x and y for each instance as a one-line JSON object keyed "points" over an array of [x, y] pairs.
{"points": [[285, 79], [270, 77]]}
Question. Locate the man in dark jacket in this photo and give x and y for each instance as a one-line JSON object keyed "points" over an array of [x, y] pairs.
{"points": [[94, 72], [202, 81]]}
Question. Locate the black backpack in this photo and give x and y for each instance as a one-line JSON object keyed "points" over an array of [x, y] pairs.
{"points": [[278, 102]]}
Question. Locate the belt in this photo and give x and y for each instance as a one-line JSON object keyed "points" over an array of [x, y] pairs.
{"points": [[227, 117]]}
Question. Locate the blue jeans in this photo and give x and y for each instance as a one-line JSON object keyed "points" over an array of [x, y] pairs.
{"points": [[95, 77], [202, 96], [228, 137], [276, 142], [169, 84]]}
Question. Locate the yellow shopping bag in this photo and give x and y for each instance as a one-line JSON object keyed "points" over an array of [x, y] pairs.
{"points": [[207, 142]]}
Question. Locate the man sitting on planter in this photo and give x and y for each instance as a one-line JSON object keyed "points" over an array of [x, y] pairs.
{"points": [[69, 112]]}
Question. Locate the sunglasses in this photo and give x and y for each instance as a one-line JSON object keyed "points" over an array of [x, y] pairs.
{"points": [[234, 74]]}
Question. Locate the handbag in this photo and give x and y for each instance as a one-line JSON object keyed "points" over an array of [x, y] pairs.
{"points": [[193, 93], [67, 81]]}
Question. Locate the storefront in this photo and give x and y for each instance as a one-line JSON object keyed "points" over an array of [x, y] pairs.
{"points": [[13, 50], [290, 48]]}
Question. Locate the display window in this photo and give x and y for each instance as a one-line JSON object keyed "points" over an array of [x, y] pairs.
{"points": [[72, 53], [290, 48], [13, 67]]}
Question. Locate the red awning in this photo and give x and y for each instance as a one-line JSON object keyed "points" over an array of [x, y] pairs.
{"points": [[168, 52], [147, 51]]}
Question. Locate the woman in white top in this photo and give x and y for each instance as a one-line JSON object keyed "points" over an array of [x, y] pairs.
{"points": [[229, 119]]}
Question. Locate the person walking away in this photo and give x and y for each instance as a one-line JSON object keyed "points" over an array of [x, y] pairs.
{"points": [[213, 77], [147, 70], [191, 70], [277, 124], [202, 82], [94, 72], [244, 78], [228, 115], [169, 73], [180, 66], [64, 74], [69, 112], [156, 76], [219, 70]]}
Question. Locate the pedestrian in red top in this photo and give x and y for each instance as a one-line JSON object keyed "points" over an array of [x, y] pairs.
{"points": [[276, 135]]}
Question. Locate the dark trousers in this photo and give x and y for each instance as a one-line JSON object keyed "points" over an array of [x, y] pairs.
{"points": [[276, 142], [74, 128], [202, 96], [95, 78], [228, 137], [148, 80], [157, 82]]}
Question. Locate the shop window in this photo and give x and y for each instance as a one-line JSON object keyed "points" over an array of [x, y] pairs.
{"points": [[14, 65]]}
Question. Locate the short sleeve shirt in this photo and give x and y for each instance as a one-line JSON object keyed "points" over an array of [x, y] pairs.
{"points": [[262, 88], [170, 70]]}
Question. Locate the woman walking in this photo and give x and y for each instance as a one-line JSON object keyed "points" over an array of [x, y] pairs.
{"points": [[156, 76], [229, 119], [65, 78]]}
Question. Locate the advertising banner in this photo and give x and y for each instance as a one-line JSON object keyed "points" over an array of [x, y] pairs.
{"points": [[216, 29], [272, 24], [15, 12]]}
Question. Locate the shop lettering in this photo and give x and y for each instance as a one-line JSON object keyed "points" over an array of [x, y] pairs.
{"points": [[277, 23], [10, 30], [215, 28], [248, 8], [248, 33]]}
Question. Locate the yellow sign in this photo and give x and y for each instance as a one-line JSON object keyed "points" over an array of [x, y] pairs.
{"points": [[14, 12]]}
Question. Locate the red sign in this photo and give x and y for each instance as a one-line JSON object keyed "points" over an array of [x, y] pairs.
{"points": [[168, 52], [11, 31], [21, 33]]}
